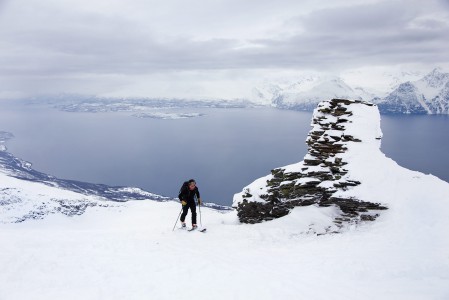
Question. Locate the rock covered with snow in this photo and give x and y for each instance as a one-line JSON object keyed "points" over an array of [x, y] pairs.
{"points": [[340, 130]]}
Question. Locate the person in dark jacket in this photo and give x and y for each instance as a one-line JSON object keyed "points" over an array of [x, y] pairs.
{"points": [[187, 197]]}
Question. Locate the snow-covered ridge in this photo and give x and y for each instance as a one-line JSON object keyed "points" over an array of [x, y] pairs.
{"points": [[341, 131], [20, 169], [29, 194], [344, 176]]}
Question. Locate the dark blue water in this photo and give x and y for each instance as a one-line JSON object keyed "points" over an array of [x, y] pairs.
{"points": [[224, 150], [418, 142]]}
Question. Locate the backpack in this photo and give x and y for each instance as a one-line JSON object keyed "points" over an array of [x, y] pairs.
{"points": [[184, 187]]}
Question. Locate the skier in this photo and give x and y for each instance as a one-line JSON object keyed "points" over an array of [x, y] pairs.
{"points": [[187, 196]]}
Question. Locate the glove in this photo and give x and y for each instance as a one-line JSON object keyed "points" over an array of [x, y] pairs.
{"points": [[199, 201], [184, 203]]}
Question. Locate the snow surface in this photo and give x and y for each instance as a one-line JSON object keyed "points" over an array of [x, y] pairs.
{"points": [[129, 251]]}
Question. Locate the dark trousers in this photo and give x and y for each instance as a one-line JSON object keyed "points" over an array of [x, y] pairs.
{"points": [[185, 210]]}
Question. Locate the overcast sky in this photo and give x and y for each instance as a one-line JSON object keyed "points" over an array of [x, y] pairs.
{"points": [[209, 48]]}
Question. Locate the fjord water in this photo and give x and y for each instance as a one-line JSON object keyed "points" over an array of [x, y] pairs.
{"points": [[223, 150], [418, 142]]}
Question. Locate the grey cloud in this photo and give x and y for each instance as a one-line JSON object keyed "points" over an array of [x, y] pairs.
{"points": [[444, 3], [103, 44], [49, 42], [366, 18], [365, 34]]}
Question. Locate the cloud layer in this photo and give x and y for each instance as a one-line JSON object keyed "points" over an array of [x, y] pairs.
{"points": [[205, 48]]}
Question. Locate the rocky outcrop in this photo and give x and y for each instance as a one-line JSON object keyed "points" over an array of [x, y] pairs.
{"points": [[323, 173]]}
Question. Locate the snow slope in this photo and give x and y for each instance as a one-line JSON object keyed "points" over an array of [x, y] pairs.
{"points": [[128, 250]]}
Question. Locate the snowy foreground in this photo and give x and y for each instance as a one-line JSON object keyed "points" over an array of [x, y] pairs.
{"points": [[128, 251]]}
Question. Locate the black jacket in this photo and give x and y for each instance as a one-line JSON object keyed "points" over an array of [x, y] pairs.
{"points": [[189, 195]]}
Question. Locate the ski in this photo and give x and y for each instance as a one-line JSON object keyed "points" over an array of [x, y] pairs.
{"points": [[200, 230]]}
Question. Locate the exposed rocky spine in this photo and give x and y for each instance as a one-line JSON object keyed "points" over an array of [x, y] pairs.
{"points": [[317, 178]]}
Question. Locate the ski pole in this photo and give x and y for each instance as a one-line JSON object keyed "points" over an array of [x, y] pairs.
{"points": [[199, 207], [177, 220]]}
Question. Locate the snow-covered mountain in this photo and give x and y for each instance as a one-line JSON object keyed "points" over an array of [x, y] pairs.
{"points": [[400, 93], [394, 79], [127, 250], [380, 81], [429, 95], [305, 93]]}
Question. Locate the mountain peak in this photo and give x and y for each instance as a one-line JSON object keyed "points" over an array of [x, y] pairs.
{"points": [[425, 96], [436, 78], [437, 70]]}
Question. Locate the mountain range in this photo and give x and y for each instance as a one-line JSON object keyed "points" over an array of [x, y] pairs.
{"points": [[427, 95], [406, 93]]}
